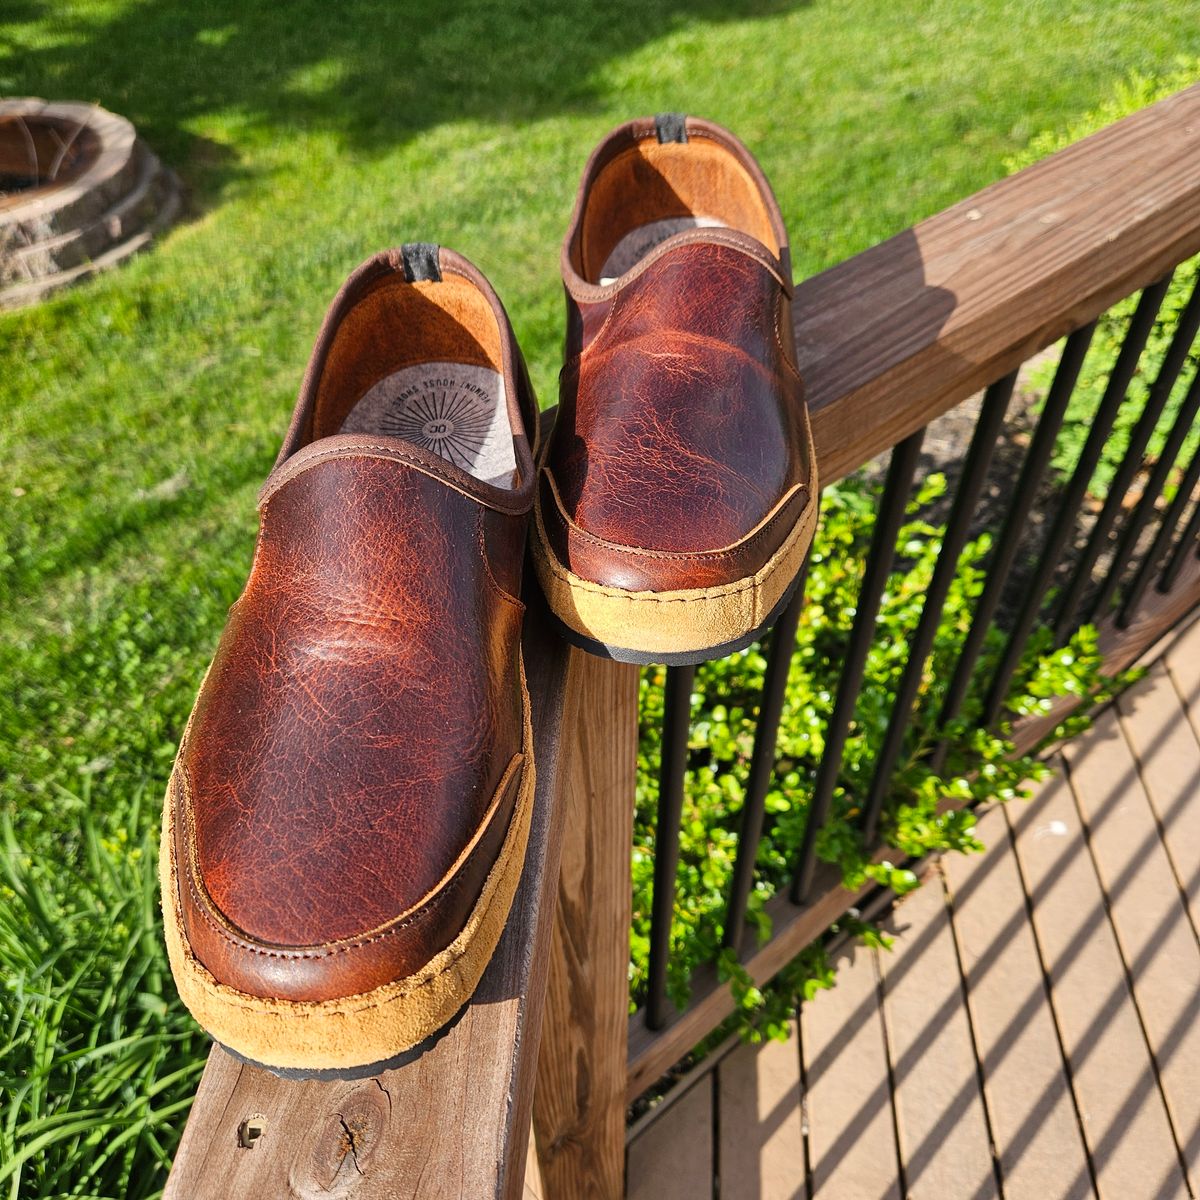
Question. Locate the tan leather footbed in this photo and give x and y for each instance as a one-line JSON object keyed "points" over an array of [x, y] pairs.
{"points": [[654, 181], [397, 324]]}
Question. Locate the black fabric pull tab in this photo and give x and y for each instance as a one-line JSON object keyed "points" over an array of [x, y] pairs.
{"points": [[420, 261], [670, 127]]}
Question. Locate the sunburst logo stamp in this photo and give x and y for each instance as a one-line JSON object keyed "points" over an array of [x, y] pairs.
{"points": [[445, 417], [454, 410]]}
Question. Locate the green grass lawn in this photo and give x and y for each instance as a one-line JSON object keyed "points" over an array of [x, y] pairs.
{"points": [[141, 411]]}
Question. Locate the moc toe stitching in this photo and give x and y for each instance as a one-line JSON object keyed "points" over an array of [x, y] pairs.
{"points": [[210, 912]]}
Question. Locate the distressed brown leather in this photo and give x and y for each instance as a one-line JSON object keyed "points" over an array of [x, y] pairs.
{"points": [[357, 742], [679, 457]]}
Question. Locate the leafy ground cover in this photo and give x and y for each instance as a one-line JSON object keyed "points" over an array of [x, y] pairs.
{"points": [[980, 765], [142, 410]]}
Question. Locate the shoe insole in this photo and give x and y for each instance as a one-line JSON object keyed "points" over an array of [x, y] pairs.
{"points": [[455, 410], [637, 243]]}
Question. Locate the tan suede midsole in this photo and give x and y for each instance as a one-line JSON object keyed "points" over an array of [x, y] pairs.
{"points": [[355, 1030], [673, 622]]}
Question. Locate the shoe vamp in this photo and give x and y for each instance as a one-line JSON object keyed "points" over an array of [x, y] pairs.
{"points": [[360, 712], [682, 431]]}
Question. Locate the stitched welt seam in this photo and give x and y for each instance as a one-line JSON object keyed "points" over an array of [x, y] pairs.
{"points": [[575, 583], [699, 596], [204, 905], [698, 556]]}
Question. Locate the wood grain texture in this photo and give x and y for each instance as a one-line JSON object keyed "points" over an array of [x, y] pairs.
{"points": [[847, 1095], [1129, 1138], [1156, 938], [452, 1123], [1032, 1113], [940, 1119], [579, 1105], [897, 335], [761, 1127]]}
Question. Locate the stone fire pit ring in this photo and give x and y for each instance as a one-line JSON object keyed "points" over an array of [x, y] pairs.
{"points": [[79, 192]]}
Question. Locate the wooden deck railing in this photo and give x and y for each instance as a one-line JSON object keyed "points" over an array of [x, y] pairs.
{"points": [[888, 340]]}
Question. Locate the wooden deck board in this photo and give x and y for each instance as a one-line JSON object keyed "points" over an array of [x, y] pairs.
{"points": [[1034, 1124], [1106, 861], [672, 1158], [940, 1115], [1182, 661], [1157, 941], [1125, 1123], [848, 1108], [971, 293], [1168, 756], [579, 1099], [761, 1135]]}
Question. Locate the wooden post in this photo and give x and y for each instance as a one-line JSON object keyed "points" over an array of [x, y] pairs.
{"points": [[579, 1101]]}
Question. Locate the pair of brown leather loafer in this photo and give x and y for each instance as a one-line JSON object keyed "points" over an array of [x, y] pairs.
{"points": [[345, 826]]}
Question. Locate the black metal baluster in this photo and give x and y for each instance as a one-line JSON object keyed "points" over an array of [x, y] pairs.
{"points": [[1191, 536], [1067, 513], [677, 712], [1144, 509], [762, 764], [882, 554], [1162, 540], [958, 525], [1160, 392], [1032, 470]]}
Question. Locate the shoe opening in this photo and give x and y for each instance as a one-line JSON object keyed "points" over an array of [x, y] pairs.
{"points": [[652, 190], [422, 361]]}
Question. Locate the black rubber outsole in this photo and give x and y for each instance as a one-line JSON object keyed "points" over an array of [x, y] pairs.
{"points": [[680, 658]]}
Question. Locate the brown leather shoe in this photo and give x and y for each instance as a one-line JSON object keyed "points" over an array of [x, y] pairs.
{"points": [[677, 494], [346, 822]]}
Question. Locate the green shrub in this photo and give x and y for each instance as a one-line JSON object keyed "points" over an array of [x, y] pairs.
{"points": [[724, 708]]}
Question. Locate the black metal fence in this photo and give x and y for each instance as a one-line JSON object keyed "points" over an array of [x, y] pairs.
{"points": [[1067, 586]]}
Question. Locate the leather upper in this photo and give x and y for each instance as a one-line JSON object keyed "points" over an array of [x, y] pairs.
{"points": [[680, 454], [352, 762]]}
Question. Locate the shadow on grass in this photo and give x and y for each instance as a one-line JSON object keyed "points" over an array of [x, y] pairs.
{"points": [[375, 71]]}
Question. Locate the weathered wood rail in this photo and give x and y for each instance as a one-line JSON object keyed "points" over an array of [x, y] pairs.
{"points": [[888, 341]]}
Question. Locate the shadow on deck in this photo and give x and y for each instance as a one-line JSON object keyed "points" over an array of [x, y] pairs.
{"points": [[1033, 1032]]}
